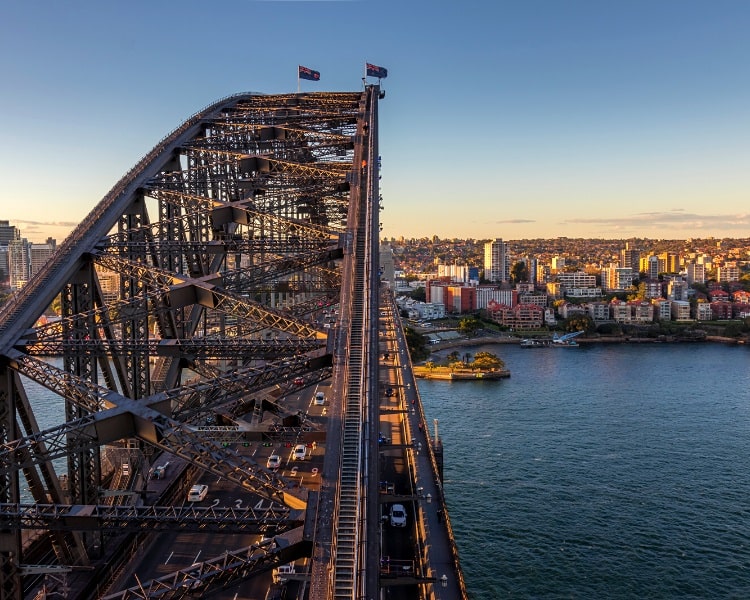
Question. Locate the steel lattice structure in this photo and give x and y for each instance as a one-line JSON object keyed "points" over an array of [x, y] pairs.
{"points": [[189, 287]]}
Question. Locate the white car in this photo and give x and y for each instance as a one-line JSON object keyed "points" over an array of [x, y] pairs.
{"points": [[320, 399], [273, 462], [300, 452], [197, 493], [398, 515]]}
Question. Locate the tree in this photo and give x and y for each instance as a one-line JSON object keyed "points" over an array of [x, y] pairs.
{"points": [[419, 294], [417, 344], [519, 272], [487, 360], [469, 325]]}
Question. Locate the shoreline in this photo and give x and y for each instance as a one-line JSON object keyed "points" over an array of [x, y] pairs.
{"points": [[488, 340]]}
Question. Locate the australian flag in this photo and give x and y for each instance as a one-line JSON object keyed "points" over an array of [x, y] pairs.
{"points": [[305, 73], [375, 71]]}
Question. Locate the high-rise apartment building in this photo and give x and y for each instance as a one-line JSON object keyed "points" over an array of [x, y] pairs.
{"points": [[630, 258], [496, 261], [8, 233], [696, 273], [19, 262]]}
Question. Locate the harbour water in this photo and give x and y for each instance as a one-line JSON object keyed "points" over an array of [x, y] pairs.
{"points": [[601, 472]]}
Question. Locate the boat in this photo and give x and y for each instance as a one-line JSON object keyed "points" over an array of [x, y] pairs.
{"points": [[534, 343], [566, 341]]}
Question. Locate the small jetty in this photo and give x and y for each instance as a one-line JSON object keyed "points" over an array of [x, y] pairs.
{"points": [[447, 374]]}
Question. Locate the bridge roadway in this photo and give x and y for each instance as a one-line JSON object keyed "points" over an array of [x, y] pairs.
{"points": [[229, 275]]}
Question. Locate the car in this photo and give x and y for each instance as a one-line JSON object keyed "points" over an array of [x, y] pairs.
{"points": [[320, 399], [299, 381], [398, 515], [300, 452], [197, 493], [273, 462]]}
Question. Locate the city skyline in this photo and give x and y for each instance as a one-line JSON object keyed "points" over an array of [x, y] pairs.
{"points": [[515, 120]]}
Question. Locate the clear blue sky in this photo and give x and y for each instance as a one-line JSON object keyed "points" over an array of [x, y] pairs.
{"points": [[523, 119]]}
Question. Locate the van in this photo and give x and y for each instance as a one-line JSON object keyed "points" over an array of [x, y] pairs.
{"points": [[126, 469], [197, 493], [320, 399]]}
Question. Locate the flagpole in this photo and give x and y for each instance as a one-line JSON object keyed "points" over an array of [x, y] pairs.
{"points": [[298, 79]]}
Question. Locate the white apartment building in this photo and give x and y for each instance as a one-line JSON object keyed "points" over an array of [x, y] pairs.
{"points": [[696, 273], [599, 311], [617, 278], [728, 272], [457, 273], [680, 310], [662, 309], [586, 292], [579, 279], [485, 294], [703, 311], [496, 261]]}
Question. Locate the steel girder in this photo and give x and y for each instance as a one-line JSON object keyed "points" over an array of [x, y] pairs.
{"points": [[253, 188]]}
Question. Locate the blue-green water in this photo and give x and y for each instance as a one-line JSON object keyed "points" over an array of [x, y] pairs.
{"points": [[601, 472]]}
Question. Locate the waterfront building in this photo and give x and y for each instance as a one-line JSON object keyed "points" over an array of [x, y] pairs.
{"points": [[599, 311], [496, 261], [662, 309], [703, 311], [641, 311], [680, 310], [619, 311], [721, 309], [567, 310], [519, 317]]}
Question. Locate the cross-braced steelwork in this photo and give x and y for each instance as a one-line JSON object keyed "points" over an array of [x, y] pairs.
{"points": [[188, 305]]}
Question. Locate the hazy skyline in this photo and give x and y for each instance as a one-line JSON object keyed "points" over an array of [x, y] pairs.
{"points": [[532, 119]]}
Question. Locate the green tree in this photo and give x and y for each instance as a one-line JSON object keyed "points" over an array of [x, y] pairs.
{"points": [[469, 325], [417, 344], [519, 272], [453, 357], [419, 294], [487, 360]]}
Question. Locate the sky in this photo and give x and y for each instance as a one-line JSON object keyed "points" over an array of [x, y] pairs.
{"points": [[510, 119]]}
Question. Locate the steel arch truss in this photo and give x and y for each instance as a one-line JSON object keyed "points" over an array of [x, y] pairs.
{"points": [[191, 285]]}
